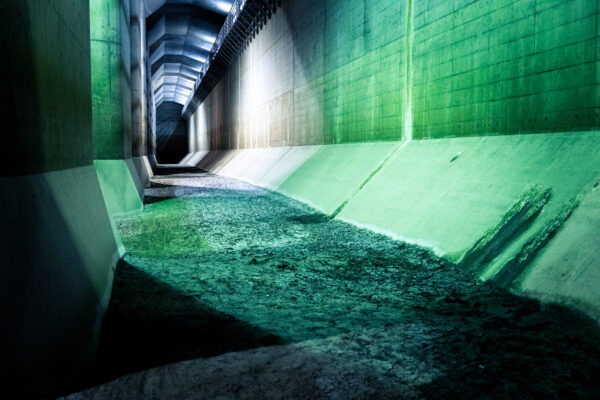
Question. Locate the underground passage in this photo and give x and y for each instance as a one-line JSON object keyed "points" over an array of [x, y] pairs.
{"points": [[282, 199]]}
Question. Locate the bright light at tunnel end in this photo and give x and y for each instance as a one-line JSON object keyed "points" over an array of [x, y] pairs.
{"points": [[224, 6]]}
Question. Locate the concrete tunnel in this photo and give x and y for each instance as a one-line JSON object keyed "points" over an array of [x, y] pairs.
{"points": [[279, 199]]}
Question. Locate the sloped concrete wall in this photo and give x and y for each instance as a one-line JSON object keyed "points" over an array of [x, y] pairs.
{"points": [[567, 269], [446, 194], [450, 191], [57, 251], [116, 178], [118, 186], [58, 257], [324, 183]]}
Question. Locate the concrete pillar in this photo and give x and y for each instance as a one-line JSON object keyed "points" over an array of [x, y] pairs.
{"points": [[112, 105], [57, 251], [139, 88]]}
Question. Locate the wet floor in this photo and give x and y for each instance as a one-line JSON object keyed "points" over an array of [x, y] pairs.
{"points": [[317, 308]]}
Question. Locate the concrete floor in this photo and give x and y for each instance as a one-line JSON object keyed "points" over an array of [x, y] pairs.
{"points": [[267, 298]]}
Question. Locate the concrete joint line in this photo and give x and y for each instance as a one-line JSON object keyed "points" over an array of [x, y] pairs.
{"points": [[275, 163], [597, 58], [407, 133], [364, 183]]}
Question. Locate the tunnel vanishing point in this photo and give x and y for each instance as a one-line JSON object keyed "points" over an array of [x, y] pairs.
{"points": [[300, 199]]}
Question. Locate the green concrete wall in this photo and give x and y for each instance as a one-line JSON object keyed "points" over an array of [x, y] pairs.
{"points": [[451, 202], [432, 108], [505, 66], [118, 187], [116, 178], [566, 271], [114, 133], [447, 194], [320, 72], [46, 110], [326, 72], [57, 251], [321, 182], [111, 77]]}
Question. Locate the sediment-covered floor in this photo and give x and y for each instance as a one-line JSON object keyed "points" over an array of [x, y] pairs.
{"points": [[266, 298]]}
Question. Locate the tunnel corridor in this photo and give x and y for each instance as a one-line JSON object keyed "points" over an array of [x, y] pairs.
{"points": [[318, 199]]}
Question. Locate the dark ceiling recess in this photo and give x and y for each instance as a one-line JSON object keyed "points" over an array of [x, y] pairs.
{"points": [[245, 20]]}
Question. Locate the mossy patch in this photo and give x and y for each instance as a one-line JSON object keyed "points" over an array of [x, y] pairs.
{"points": [[164, 229]]}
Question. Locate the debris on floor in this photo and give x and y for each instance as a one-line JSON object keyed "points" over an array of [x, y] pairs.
{"points": [[232, 291]]}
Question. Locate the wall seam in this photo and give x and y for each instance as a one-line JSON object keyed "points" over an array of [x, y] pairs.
{"points": [[368, 179], [86, 49], [407, 133], [597, 58], [291, 131]]}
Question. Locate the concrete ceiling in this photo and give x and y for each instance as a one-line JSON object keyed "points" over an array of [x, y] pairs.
{"points": [[216, 6], [180, 36]]}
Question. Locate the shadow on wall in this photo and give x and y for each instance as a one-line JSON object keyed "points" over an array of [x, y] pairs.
{"points": [[52, 292], [26, 148], [40, 95], [56, 248]]}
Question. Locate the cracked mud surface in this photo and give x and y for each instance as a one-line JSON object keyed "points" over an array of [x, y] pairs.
{"points": [[267, 298]]}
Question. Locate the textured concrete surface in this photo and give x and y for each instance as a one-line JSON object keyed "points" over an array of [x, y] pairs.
{"points": [[505, 66], [262, 160], [197, 142], [111, 77], [47, 108], [119, 189], [137, 176], [216, 266], [270, 167], [443, 194], [57, 256], [142, 105], [325, 72], [331, 176], [57, 251], [143, 170], [285, 166], [120, 130], [567, 269], [450, 192]]}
